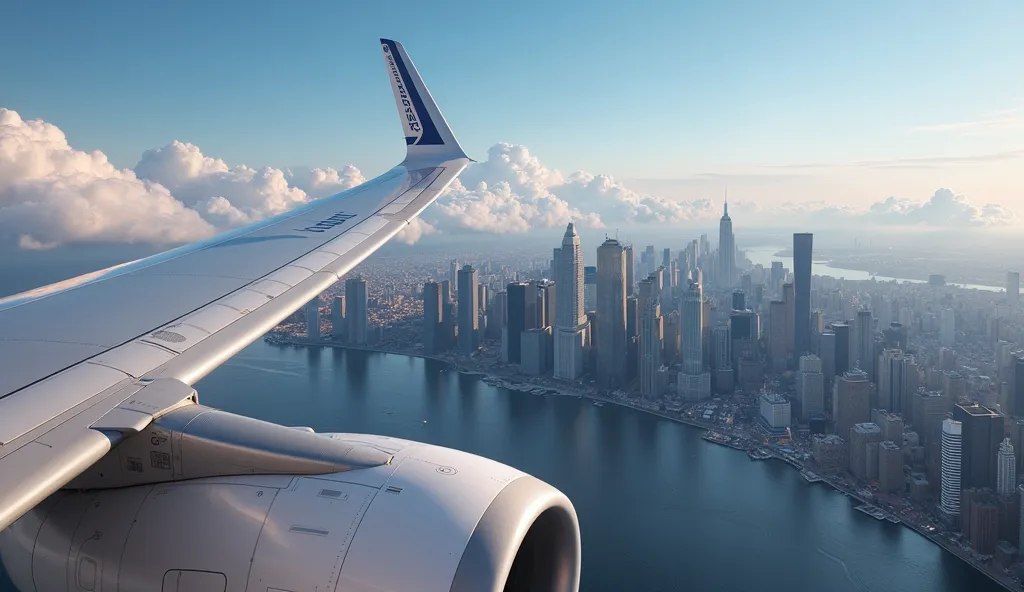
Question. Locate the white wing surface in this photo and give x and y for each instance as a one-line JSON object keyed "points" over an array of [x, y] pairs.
{"points": [[81, 360]]}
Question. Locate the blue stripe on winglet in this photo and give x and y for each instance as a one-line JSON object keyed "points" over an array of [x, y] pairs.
{"points": [[430, 136]]}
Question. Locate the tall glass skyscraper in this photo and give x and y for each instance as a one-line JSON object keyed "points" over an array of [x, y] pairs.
{"points": [[803, 245], [570, 318], [611, 315], [469, 312]]}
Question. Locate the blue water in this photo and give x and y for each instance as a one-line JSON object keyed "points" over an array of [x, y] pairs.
{"points": [[660, 509]]}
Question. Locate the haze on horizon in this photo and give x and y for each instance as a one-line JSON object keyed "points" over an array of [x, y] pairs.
{"points": [[866, 118]]}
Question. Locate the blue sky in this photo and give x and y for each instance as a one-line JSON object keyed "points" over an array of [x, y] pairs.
{"points": [[637, 89]]}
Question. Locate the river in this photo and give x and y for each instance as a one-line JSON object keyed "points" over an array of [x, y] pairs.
{"points": [[660, 508], [765, 255]]}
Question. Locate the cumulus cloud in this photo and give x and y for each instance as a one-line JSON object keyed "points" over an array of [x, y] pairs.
{"points": [[944, 208], [52, 194], [513, 192]]}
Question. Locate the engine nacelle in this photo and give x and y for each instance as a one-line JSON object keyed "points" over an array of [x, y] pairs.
{"points": [[434, 519]]}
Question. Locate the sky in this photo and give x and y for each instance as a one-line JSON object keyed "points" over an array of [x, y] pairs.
{"points": [[796, 109]]}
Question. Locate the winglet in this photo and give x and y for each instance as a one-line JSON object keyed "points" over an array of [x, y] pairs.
{"points": [[426, 132]]}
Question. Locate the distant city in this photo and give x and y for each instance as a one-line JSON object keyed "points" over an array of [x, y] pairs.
{"points": [[907, 396]]}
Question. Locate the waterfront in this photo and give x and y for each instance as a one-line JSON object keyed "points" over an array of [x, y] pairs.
{"points": [[660, 508], [765, 255]]}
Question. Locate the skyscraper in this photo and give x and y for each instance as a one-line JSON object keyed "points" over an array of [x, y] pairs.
{"points": [[1006, 477], [947, 331], [589, 288], [811, 387], [355, 310], [897, 382], [852, 401], [570, 316], [469, 313], [1013, 287], [843, 341], [650, 350], [453, 272], [694, 381], [611, 315], [521, 305], [627, 252], [865, 336], [338, 318], [432, 311], [982, 433], [802, 254], [726, 250], [313, 319], [952, 442]]}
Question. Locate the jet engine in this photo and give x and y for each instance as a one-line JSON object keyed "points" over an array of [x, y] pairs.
{"points": [[431, 519]]}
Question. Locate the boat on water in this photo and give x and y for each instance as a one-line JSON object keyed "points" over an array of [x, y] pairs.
{"points": [[598, 403]]}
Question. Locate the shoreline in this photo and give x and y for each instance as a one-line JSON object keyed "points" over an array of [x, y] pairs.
{"points": [[886, 276], [510, 384]]}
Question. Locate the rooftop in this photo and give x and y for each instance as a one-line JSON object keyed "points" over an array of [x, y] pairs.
{"points": [[867, 428]]}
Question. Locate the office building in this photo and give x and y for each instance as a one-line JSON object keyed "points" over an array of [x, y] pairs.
{"points": [[810, 387], [1006, 476], [721, 359], [789, 298], [739, 300], [521, 313], [453, 278], [827, 353], [980, 519], [851, 401], [590, 288], [775, 413], [313, 319], [694, 382], [892, 426], [952, 448], [844, 341], [570, 316], [433, 304], [338, 318], [982, 434], [802, 254], [533, 355], [650, 350], [947, 330], [1013, 287], [890, 467], [777, 322], [355, 310], [865, 341], [469, 311], [611, 315], [830, 451], [726, 250], [897, 382], [627, 253], [745, 332], [1015, 398], [860, 436]]}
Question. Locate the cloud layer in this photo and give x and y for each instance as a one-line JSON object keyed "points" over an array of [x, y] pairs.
{"points": [[52, 194]]}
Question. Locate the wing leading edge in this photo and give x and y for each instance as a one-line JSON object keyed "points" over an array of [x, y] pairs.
{"points": [[79, 357]]}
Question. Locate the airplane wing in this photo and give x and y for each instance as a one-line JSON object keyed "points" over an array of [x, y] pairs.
{"points": [[87, 362]]}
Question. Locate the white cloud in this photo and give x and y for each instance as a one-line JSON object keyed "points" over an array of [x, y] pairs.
{"points": [[323, 182], [944, 208], [52, 194], [194, 179]]}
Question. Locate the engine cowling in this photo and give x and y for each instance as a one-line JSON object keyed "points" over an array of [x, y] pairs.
{"points": [[433, 519]]}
